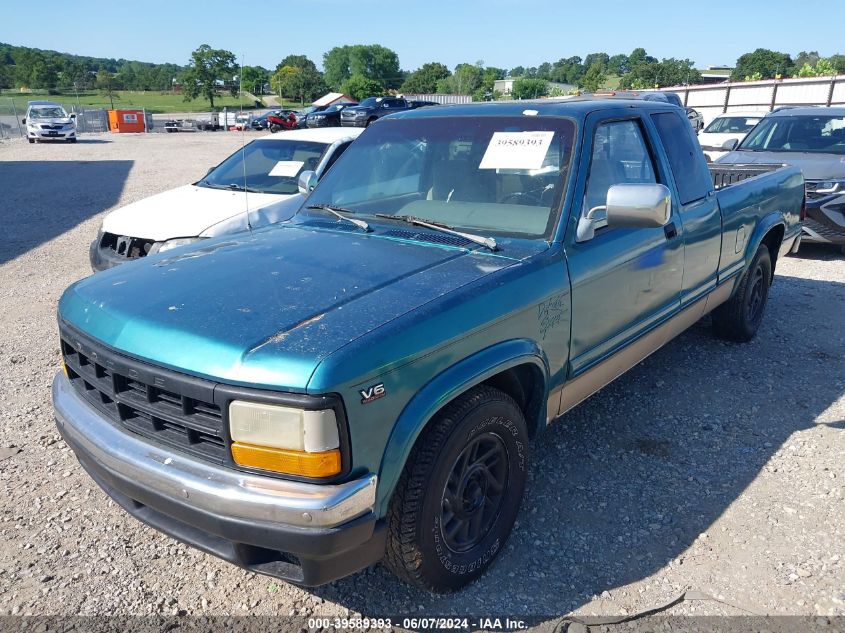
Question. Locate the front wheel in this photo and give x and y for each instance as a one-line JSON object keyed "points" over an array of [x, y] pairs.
{"points": [[460, 492], [739, 318]]}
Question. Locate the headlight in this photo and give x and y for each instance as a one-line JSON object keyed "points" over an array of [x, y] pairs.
{"points": [[829, 186], [284, 439], [160, 247]]}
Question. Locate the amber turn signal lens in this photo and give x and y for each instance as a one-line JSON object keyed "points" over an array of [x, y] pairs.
{"points": [[279, 460]]}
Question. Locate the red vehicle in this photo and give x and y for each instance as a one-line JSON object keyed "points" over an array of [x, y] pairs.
{"points": [[281, 122]]}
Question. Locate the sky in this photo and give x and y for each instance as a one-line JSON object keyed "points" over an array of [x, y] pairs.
{"points": [[501, 33]]}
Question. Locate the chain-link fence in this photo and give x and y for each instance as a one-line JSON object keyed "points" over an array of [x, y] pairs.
{"points": [[90, 121]]}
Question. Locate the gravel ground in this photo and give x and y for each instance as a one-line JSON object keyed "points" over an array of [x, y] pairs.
{"points": [[711, 466]]}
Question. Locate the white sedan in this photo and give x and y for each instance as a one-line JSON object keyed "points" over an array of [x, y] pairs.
{"points": [[258, 182], [725, 132]]}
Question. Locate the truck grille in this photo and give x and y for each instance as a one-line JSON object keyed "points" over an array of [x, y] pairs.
{"points": [[130, 399]]}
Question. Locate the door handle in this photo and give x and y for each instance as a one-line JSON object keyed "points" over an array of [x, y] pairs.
{"points": [[670, 230]]}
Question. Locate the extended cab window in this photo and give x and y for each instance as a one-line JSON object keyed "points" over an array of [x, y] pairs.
{"points": [[502, 175], [620, 155], [691, 175]]}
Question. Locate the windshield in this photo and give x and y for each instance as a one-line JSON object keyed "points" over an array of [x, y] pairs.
{"points": [[50, 112], [801, 133], [338, 106], [271, 166], [500, 175], [731, 125], [369, 102]]}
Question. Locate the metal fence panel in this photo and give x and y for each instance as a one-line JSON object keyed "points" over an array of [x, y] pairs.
{"points": [[762, 96], [10, 120]]}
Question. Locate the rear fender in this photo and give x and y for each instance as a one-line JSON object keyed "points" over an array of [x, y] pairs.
{"points": [[441, 390]]}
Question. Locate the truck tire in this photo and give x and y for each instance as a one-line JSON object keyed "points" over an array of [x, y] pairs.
{"points": [[739, 318], [460, 492], [370, 121]]}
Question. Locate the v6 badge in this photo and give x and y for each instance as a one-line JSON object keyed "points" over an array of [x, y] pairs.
{"points": [[372, 393]]}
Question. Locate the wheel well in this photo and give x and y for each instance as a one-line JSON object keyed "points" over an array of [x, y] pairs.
{"points": [[523, 383], [773, 239]]}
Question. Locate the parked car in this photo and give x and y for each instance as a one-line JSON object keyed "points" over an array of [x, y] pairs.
{"points": [[695, 119], [372, 109], [725, 131], [812, 139], [46, 120], [330, 117], [364, 381], [241, 192], [302, 115]]}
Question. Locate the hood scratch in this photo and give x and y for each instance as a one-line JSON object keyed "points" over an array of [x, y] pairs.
{"points": [[278, 337]]}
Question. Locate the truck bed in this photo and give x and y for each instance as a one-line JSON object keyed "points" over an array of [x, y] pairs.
{"points": [[727, 175]]}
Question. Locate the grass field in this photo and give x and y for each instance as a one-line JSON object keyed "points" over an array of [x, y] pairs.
{"points": [[153, 102]]}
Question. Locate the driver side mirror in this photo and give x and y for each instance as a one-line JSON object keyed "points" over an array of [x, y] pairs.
{"points": [[730, 144], [23, 120], [72, 115], [633, 205], [307, 181]]}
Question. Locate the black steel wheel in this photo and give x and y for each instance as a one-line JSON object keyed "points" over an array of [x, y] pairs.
{"points": [[739, 318], [460, 492]]}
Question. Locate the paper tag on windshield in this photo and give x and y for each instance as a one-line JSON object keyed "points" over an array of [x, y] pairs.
{"points": [[289, 168], [516, 150]]}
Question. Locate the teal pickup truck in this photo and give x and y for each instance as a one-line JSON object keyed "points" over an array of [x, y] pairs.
{"points": [[363, 382]]}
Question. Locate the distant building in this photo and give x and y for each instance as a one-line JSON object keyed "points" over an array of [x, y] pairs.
{"points": [[333, 98], [505, 86], [715, 74], [442, 99]]}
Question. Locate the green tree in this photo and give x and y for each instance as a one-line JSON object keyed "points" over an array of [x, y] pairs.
{"points": [[825, 68], [108, 85], [209, 70], [768, 64], [253, 79], [594, 78], [6, 80], [805, 58], [372, 61], [529, 88], [466, 80], [424, 79], [516, 71], [669, 72], [360, 87], [838, 62], [302, 83], [822, 68], [618, 65], [602, 59]]}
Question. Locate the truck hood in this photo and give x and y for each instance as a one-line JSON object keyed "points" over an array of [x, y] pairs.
{"points": [[264, 308], [182, 212], [814, 166]]}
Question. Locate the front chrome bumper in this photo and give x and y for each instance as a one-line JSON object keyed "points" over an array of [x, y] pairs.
{"points": [[200, 485]]}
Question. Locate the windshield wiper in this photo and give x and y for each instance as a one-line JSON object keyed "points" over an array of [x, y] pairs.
{"points": [[236, 187], [489, 242], [338, 212]]}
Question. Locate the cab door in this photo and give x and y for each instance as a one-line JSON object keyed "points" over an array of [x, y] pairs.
{"points": [[625, 281]]}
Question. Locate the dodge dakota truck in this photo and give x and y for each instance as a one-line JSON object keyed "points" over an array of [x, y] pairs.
{"points": [[363, 382]]}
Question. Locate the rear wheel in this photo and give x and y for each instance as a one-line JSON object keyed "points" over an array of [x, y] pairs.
{"points": [[739, 318], [460, 492], [31, 140]]}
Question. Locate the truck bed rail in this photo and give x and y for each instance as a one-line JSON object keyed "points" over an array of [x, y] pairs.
{"points": [[727, 175]]}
